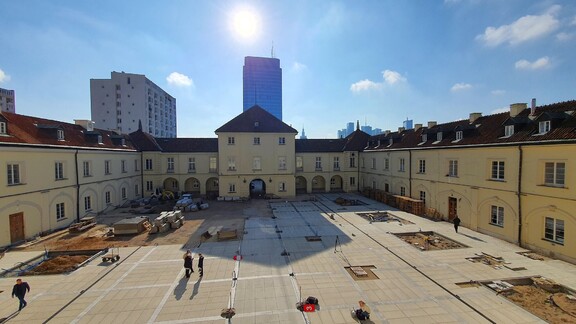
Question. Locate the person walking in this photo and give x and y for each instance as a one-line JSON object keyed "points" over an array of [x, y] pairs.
{"points": [[201, 264], [19, 290], [456, 222], [188, 263]]}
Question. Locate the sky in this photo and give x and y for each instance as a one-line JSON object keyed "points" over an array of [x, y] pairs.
{"points": [[378, 62]]}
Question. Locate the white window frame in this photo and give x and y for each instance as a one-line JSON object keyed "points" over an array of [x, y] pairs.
{"points": [[191, 165], [123, 166], [497, 215], [149, 164], [107, 167], [318, 163], [231, 188], [14, 174], [336, 163], [136, 166], [459, 135], [402, 191], [497, 170], [352, 181], [231, 164], [373, 163], [231, 140], [257, 163], [508, 130], [422, 166], [123, 193], [213, 164], [59, 170], [281, 140], [170, 164], [453, 168], [554, 230], [87, 203], [299, 163], [107, 198], [282, 187], [149, 185], [423, 196], [402, 166], [3, 128], [386, 164], [60, 211], [256, 141], [555, 174], [544, 127], [60, 134], [87, 168], [281, 163]]}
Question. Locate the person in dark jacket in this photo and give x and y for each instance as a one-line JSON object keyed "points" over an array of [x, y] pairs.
{"points": [[456, 222], [188, 263], [201, 264], [19, 290]]}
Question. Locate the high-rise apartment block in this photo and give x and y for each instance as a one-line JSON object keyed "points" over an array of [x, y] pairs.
{"points": [[7, 100], [125, 100], [263, 84]]}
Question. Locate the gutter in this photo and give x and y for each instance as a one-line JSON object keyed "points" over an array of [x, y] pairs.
{"points": [[77, 187], [520, 161]]}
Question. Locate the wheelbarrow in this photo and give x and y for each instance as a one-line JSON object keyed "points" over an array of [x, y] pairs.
{"points": [[113, 255]]}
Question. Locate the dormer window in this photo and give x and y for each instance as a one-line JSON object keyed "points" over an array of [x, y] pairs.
{"points": [[3, 128], [508, 130], [100, 139], [459, 135], [60, 134], [424, 138], [543, 127], [439, 136], [390, 142], [256, 140]]}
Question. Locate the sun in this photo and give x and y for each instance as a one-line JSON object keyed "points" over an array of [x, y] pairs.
{"points": [[246, 24]]}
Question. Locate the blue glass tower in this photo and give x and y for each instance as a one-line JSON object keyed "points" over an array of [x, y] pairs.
{"points": [[263, 84]]}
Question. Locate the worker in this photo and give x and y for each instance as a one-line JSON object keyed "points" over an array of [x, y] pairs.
{"points": [[188, 263], [19, 290], [362, 313], [201, 264]]}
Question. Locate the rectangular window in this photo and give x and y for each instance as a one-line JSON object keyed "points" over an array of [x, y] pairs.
{"points": [[107, 167], [299, 163], [213, 164], [136, 190], [402, 191], [554, 230], [336, 163], [123, 166], [123, 192], [136, 165], [352, 161], [282, 186], [281, 163], [352, 181], [256, 140], [107, 197], [386, 187], [459, 135], [402, 165], [318, 163], [60, 211], [231, 187], [453, 168], [256, 163], [497, 216], [231, 140], [87, 203], [424, 138], [149, 186], [423, 196], [3, 128], [60, 134], [231, 164], [14, 174], [543, 127], [86, 166], [281, 140], [170, 162], [421, 166], [438, 136], [373, 163], [191, 164], [148, 164], [386, 164], [554, 173], [508, 130], [497, 170], [59, 170]]}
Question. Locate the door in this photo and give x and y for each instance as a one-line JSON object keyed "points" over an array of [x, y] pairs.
{"points": [[17, 227], [452, 207]]}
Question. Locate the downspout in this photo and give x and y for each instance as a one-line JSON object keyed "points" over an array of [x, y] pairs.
{"points": [[77, 187], [410, 173], [358, 170], [520, 158], [141, 174]]}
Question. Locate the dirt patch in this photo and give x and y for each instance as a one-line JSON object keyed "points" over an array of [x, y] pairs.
{"points": [[539, 302], [383, 217], [428, 241], [361, 272], [58, 264]]}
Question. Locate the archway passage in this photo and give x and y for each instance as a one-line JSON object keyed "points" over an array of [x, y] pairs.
{"points": [[212, 188], [171, 184], [192, 185], [257, 188], [301, 185], [318, 184], [336, 184]]}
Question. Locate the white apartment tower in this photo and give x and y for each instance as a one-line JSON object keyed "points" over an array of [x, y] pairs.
{"points": [[126, 99], [7, 100]]}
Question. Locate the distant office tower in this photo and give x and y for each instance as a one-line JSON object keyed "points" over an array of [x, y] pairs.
{"points": [[408, 124], [7, 100], [303, 136], [263, 84], [125, 100], [349, 128], [366, 129]]}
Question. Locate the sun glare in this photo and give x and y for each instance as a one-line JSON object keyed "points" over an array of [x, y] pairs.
{"points": [[246, 24]]}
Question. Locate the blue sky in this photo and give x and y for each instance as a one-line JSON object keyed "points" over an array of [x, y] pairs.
{"points": [[379, 62]]}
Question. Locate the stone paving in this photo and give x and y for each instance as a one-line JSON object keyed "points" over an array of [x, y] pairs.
{"points": [[276, 267]]}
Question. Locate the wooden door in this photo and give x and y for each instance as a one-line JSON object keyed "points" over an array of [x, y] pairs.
{"points": [[17, 227], [452, 207]]}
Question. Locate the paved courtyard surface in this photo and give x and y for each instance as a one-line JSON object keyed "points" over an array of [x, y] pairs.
{"points": [[276, 266]]}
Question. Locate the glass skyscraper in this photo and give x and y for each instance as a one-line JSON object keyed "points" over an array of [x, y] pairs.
{"points": [[263, 84]]}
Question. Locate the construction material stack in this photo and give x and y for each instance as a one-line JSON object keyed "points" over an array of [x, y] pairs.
{"points": [[167, 220]]}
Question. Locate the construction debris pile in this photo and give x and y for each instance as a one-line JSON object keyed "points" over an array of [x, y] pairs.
{"points": [[166, 221]]}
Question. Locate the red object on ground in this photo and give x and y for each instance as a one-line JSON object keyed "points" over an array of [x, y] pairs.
{"points": [[309, 307], [237, 257]]}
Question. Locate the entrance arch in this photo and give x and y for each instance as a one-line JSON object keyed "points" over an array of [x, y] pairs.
{"points": [[301, 185], [318, 184], [212, 188], [336, 184], [192, 185], [171, 184], [257, 188]]}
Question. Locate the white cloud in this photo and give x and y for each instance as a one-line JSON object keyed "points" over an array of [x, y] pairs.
{"points": [[540, 63], [498, 92], [365, 85], [573, 22], [4, 77], [179, 80], [297, 67], [564, 37], [460, 87], [500, 110], [392, 77], [524, 29]]}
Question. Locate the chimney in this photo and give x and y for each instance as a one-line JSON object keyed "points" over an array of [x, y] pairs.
{"points": [[386, 132], [533, 107], [417, 127], [401, 129], [431, 124], [517, 108], [474, 116], [87, 124]]}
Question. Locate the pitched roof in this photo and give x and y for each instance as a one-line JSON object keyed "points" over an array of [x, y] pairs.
{"points": [[188, 144], [24, 130], [144, 141], [319, 145], [255, 120], [356, 141]]}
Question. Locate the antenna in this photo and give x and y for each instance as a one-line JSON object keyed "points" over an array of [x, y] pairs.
{"points": [[272, 51]]}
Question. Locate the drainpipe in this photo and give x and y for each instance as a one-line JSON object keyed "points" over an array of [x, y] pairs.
{"points": [[358, 171], [142, 174], [410, 173], [520, 158], [77, 187]]}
